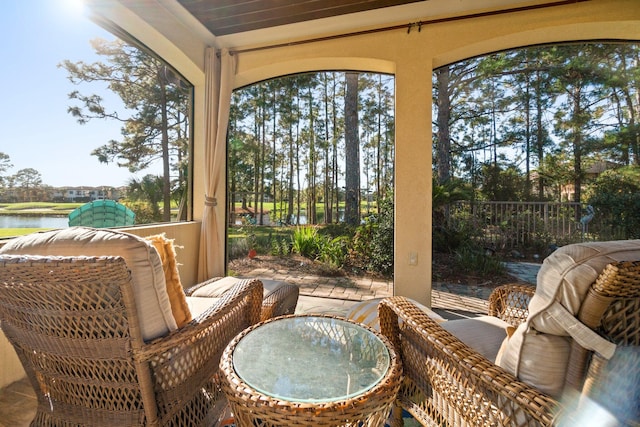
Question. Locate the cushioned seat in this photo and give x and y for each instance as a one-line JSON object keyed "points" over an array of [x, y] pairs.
{"points": [[279, 298], [567, 339], [484, 334]]}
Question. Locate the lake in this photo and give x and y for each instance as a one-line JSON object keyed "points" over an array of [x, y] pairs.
{"points": [[18, 221]]}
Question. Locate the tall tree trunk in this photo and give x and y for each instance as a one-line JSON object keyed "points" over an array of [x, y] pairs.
{"points": [[297, 154], [328, 206], [166, 171], [313, 155], [527, 130], [379, 159], [577, 151], [443, 150], [274, 155], [262, 166], [539, 134], [291, 172], [352, 151], [336, 167]]}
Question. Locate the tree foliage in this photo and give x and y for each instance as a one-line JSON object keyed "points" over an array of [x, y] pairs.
{"points": [[536, 118], [616, 195], [154, 117], [287, 142]]}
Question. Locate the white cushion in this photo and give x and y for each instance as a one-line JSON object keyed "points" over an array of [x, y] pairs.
{"points": [[198, 305], [538, 352], [484, 334], [366, 312], [147, 276], [218, 288]]}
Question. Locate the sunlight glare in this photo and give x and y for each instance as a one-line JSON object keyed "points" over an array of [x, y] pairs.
{"points": [[72, 8]]}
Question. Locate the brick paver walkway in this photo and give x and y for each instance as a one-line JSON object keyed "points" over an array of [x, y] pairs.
{"points": [[454, 298]]}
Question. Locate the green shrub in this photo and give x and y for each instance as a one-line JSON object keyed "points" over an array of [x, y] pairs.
{"points": [[306, 242], [333, 251], [372, 245], [238, 248], [473, 259], [382, 241], [145, 214], [280, 246]]}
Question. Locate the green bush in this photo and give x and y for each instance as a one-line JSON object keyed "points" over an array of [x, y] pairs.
{"points": [[238, 248], [306, 242], [333, 251], [372, 246], [280, 246], [145, 214], [382, 242], [616, 198], [473, 259]]}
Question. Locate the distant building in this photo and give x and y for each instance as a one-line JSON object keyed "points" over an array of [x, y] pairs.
{"points": [[87, 194], [567, 191]]}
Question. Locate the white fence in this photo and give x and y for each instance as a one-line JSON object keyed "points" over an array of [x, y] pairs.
{"points": [[530, 225]]}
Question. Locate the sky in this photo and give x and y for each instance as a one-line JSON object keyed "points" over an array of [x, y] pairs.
{"points": [[36, 130]]}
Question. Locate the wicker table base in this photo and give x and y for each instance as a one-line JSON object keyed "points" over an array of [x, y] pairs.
{"points": [[254, 408]]}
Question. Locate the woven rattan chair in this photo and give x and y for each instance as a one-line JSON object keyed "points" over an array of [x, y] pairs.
{"points": [[74, 326], [447, 383]]}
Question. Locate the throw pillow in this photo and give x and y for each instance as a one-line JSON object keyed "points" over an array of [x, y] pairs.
{"points": [[167, 252]]}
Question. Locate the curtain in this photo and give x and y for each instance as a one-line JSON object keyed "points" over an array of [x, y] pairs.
{"points": [[219, 74]]}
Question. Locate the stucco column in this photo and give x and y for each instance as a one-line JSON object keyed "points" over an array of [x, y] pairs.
{"points": [[412, 253]]}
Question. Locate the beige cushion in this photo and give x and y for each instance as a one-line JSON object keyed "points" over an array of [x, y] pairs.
{"points": [[219, 287], [536, 358], [216, 289], [537, 353], [198, 305], [167, 252], [484, 334], [366, 312], [567, 274], [152, 301]]}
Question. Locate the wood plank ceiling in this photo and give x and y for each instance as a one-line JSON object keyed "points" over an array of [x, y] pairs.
{"points": [[222, 17]]}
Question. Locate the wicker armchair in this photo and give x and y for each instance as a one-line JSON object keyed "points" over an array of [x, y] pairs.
{"points": [[447, 383], [74, 325]]}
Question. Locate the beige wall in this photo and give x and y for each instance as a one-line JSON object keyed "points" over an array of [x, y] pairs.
{"points": [[412, 58]]}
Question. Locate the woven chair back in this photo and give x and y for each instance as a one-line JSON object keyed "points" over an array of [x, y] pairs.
{"points": [[73, 324]]}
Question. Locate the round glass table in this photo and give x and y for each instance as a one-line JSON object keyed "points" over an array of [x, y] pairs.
{"points": [[305, 370]]}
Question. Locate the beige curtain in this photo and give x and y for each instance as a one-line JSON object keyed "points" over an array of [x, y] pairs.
{"points": [[219, 73]]}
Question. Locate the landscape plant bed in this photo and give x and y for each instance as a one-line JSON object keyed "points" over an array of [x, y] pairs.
{"points": [[444, 269]]}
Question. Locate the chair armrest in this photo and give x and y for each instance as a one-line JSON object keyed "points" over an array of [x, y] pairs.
{"points": [[446, 381], [188, 359], [189, 291], [510, 302]]}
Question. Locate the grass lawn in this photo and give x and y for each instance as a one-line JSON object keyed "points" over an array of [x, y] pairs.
{"points": [[18, 208], [13, 232]]}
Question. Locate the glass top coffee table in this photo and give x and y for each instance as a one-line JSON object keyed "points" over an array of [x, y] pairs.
{"points": [[302, 370]]}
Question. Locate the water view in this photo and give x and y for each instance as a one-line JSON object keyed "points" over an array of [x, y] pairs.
{"points": [[18, 221]]}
